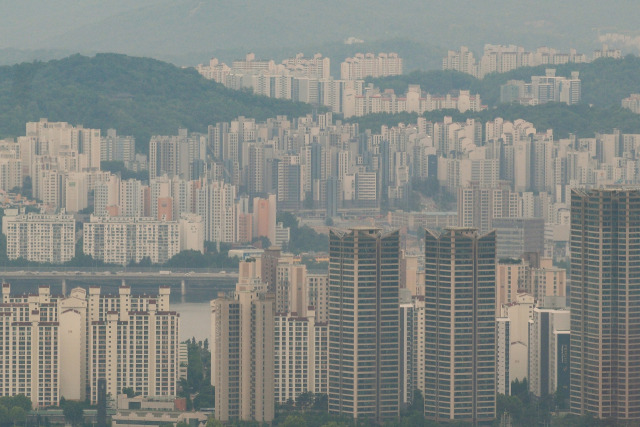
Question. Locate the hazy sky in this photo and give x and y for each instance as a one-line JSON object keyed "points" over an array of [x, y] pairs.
{"points": [[168, 27]]}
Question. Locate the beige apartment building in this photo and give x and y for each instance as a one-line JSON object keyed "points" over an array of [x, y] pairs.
{"points": [[242, 349], [53, 346]]}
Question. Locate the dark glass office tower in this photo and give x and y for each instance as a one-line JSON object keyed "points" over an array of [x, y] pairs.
{"points": [[364, 364], [605, 303], [460, 298]]}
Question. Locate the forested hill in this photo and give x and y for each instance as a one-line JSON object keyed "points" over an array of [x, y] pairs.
{"points": [[135, 96], [604, 81]]}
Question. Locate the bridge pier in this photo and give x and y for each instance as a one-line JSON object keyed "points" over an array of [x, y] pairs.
{"points": [[64, 287], [183, 287]]}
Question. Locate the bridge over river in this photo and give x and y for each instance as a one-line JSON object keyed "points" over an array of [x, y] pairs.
{"points": [[223, 279]]}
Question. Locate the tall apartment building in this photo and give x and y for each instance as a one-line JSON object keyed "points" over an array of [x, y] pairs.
{"points": [[605, 294], [549, 355], [364, 323], [251, 64], [39, 237], [546, 281], [120, 240], [242, 350], [478, 206], [462, 60], [419, 345], [10, 166], [264, 217], [460, 277], [543, 89], [300, 356], [54, 347], [191, 232], [301, 347], [290, 192], [215, 203], [106, 196], [318, 294], [632, 103], [75, 190], [511, 278], [30, 350], [369, 65], [519, 312], [132, 342], [316, 67], [131, 198], [413, 341], [291, 291], [503, 340], [516, 236], [181, 155], [114, 147], [76, 146]]}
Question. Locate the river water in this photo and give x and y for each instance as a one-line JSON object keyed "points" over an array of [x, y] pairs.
{"points": [[195, 318]]}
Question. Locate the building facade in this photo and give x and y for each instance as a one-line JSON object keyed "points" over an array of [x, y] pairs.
{"points": [[460, 277], [132, 343], [40, 238], [605, 294], [29, 346], [364, 323], [301, 356], [242, 350], [54, 346], [549, 340], [120, 240]]}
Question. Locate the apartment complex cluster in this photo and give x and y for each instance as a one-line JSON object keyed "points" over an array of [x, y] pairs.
{"points": [[501, 59], [632, 103], [454, 323], [304, 79], [182, 205], [226, 185], [372, 101], [381, 324], [61, 162], [269, 337], [308, 80], [519, 174], [56, 346], [543, 89]]}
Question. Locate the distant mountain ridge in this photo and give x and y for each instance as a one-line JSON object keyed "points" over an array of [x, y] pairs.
{"points": [[161, 28], [135, 96]]}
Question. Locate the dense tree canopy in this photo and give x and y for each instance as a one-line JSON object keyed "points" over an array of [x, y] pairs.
{"points": [[14, 410], [582, 120], [136, 96], [302, 239], [604, 81]]}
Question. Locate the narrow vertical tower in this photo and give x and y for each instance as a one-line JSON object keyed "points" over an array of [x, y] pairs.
{"points": [[605, 301], [364, 377], [460, 356]]}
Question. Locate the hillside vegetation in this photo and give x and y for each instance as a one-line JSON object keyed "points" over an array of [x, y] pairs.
{"points": [[604, 81], [136, 96], [581, 120]]}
